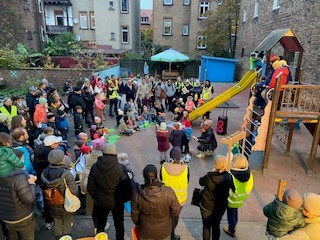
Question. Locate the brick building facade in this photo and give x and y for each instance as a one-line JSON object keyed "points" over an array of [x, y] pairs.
{"points": [[258, 18]]}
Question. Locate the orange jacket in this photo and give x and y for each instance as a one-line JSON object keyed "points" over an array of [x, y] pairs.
{"points": [[40, 115], [285, 73]]}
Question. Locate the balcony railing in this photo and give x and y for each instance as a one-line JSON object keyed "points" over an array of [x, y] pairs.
{"points": [[56, 29]]}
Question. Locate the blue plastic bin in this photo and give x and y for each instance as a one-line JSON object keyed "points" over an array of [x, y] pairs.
{"points": [[217, 69]]}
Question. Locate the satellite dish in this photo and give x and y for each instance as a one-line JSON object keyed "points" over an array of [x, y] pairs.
{"points": [[78, 38], [75, 20]]}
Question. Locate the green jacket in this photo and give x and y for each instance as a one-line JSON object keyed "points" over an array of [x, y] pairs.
{"points": [[282, 218], [8, 161]]}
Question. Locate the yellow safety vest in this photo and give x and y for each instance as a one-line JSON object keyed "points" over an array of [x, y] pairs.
{"points": [[179, 85], [179, 184], [206, 94], [243, 190], [114, 94], [14, 112]]}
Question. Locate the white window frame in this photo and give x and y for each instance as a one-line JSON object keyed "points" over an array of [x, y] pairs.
{"points": [[42, 34], [167, 21], [111, 5], [124, 29], [92, 20], [186, 2], [256, 9], [83, 20], [121, 9], [245, 14], [40, 6], [145, 18], [185, 30], [276, 4], [112, 36], [203, 5], [201, 39], [167, 2]]}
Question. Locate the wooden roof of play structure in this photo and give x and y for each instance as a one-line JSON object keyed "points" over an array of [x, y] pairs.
{"points": [[285, 37]]}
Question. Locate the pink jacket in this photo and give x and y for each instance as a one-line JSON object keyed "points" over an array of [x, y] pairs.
{"points": [[99, 104]]}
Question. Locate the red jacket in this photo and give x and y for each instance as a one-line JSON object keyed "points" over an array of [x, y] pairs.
{"points": [[285, 73]]}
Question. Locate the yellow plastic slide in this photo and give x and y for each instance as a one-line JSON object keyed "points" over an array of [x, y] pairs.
{"points": [[246, 81]]}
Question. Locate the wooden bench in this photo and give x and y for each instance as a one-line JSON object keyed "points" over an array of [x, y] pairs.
{"points": [[170, 75]]}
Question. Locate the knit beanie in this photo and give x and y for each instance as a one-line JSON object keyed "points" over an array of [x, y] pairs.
{"points": [[175, 153], [98, 144], [187, 124], [311, 203], [292, 198], [56, 157], [110, 148], [85, 149], [42, 101]]}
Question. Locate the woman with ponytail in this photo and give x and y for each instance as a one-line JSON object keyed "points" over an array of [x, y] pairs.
{"points": [[153, 206]]}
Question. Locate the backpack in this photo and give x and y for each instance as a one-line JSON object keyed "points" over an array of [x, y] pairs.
{"points": [[54, 196]]}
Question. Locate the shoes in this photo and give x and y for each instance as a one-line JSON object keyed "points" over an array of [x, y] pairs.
{"points": [[105, 229], [226, 230], [201, 155], [175, 237], [186, 158], [48, 226]]}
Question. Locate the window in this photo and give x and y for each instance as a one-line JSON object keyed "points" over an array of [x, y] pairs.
{"points": [[111, 6], [40, 6], [112, 37], [245, 14], [256, 9], [145, 20], [276, 4], [83, 20], [58, 16], [167, 27], [186, 2], [125, 34], [92, 21], [202, 42], [124, 6], [185, 30], [203, 8], [167, 2]]}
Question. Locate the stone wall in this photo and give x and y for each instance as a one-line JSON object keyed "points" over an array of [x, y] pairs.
{"points": [[301, 16], [17, 78]]}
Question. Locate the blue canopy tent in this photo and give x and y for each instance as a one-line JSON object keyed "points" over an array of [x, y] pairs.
{"points": [[170, 56]]}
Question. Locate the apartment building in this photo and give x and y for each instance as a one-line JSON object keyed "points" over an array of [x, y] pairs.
{"points": [[109, 24], [146, 17], [260, 17], [179, 24]]}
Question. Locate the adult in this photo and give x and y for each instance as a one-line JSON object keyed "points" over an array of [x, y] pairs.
{"points": [[8, 109], [32, 100], [145, 68], [129, 90], [41, 153], [175, 174], [163, 142], [4, 122], [207, 141], [217, 184], [58, 175], [108, 186], [243, 182], [186, 90], [113, 98], [311, 212], [88, 85], [153, 207], [196, 92], [177, 135], [120, 91], [89, 99], [77, 100], [17, 195], [179, 85], [170, 90], [144, 89]]}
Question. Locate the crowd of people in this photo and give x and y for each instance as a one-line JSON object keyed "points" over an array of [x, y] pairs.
{"points": [[37, 169]]}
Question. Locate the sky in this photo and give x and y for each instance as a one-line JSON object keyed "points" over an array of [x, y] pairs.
{"points": [[146, 4]]}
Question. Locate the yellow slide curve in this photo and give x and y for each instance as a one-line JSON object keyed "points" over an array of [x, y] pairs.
{"points": [[246, 81]]}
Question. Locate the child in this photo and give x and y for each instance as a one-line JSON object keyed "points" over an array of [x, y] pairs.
{"points": [[98, 133], [190, 106], [284, 216], [184, 118], [146, 116], [132, 124], [140, 102], [119, 116], [62, 124], [177, 135], [124, 128], [78, 120], [163, 142], [123, 159], [52, 123], [8, 160], [48, 131], [133, 108], [40, 113], [185, 143], [99, 106]]}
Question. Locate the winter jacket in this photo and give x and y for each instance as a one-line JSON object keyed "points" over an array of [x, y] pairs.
{"points": [[282, 218], [152, 209], [40, 115], [62, 123], [216, 190], [53, 176], [163, 141], [107, 182], [8, 161], [54, 126], [285, 73], [75, 100], [88, 99], [78, 122], [28, 155], [177, 137], [130, 92], [41, 153], [31, 101], [169, 89], [123, 126], [309, 232], [16, 196], [99, 104], [4, 128], [188, 131], [208, 140]]}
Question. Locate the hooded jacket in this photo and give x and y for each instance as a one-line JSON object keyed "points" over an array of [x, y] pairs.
{"points": [[177, 137], [282, 218], [76, 99], [163, 141], [8, 161], [285, 73], [17, 196], [40, 115], [152, 209], [208, 140], [106, 181], [41, 153], [309, 232]]}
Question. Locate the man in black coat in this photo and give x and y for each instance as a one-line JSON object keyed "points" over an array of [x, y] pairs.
{"points": [[88, 98], [110, 187], [17, 195], [76, 99], [32, 100]]}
